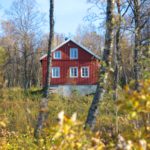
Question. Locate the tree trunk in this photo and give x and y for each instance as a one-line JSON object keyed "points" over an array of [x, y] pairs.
{"points": [[137, 42], [43, 113], [25, 53], [25, 70], [49, 56], [104, 69], [117, 54]]}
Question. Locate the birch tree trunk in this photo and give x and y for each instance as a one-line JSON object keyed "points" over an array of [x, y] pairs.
{"points": [[137, 42], [117, 54], [43, 113], [49, 56], [104, 69]]}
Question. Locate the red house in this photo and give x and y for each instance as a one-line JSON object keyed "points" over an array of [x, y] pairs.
{"points": [[74, 67]]}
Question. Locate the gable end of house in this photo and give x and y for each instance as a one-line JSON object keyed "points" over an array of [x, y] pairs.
{"points": [[81, 46]]}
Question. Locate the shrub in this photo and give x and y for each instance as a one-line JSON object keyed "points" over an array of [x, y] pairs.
{"points": [[136, 107]]}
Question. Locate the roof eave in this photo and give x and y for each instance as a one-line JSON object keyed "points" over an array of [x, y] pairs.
{"points": [[96, 56]]}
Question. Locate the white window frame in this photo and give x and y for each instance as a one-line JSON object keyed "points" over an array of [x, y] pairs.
{"points": [[55, 56], [53, 72], [82, 72], [71, 74], [72, 53]]}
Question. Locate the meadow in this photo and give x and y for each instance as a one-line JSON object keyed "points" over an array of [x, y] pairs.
{"points": [[122, 124]]}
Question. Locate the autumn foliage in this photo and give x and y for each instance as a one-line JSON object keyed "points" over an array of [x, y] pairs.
{"points": [[63, 132]]}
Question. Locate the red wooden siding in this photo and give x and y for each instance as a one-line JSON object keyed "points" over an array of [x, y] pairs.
{"points": [[84, 60]]}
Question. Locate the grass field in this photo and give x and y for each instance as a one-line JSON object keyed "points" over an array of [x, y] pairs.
{"points": [[127, 119]]}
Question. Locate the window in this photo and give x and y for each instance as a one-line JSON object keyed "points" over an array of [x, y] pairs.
{"points": [[55, 72], [73, 53], [85, 72], [57, 55], [73, 72]]}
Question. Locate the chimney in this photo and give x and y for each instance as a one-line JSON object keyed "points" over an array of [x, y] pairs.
{"points": [[66, 38]]}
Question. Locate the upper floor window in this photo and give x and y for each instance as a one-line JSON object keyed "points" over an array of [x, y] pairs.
{"points": [[84, 72], [55, 72], [73, 72], [57, 55], [73, 53]]}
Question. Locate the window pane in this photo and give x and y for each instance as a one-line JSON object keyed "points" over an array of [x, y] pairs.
{"points": [[55, 72], [73, 53], [57, 55], [84, 72], [73, 72]]}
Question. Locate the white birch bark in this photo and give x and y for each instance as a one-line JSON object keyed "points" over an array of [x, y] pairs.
{"points": [[137, 42], [43, 113], [104, 69]]}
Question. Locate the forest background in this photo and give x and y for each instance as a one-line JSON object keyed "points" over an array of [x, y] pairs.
{"points": [[123, 122]]}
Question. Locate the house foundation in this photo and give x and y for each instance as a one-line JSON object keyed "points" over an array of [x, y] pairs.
{"points": [[67, 90]]}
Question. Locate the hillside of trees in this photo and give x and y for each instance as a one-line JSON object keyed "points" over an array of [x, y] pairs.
{"points": [[116, 116]]}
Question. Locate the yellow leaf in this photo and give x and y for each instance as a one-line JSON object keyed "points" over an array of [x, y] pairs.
{"points": [[2, 124], [133, 114]]}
